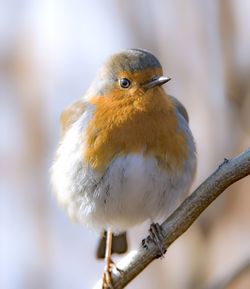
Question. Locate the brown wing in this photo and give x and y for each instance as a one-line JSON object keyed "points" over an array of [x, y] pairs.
{"points": [[70, 115], [180, 107]]}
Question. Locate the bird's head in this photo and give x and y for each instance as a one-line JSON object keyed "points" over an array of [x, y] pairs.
{"points": [[126, 73]]}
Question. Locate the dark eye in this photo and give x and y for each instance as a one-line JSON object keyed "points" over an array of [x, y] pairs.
{"points": [[124, 82]]}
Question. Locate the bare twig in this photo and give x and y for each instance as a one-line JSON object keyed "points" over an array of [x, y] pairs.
{"points": [[183, 217]]}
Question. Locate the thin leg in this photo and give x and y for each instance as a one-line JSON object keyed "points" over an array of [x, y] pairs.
{"points": [[108, 257], [107, 279]]}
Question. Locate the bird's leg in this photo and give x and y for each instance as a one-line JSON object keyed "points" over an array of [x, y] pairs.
{"points": [[155, 236], [107, 279]]}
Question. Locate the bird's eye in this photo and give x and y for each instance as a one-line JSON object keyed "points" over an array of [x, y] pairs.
{"points": [[124, 82]]}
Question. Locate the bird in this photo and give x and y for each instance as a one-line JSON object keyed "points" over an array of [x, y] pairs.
{"points": [[126, 153]]}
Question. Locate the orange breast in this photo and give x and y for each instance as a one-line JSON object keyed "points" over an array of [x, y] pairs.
{"points": [[139, 123]]}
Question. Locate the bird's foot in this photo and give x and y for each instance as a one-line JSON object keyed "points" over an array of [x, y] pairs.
{"points": [[155, 236], [107, 278], [114, 267]]}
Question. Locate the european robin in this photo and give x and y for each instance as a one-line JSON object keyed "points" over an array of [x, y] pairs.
{"points": [[126, 152]]}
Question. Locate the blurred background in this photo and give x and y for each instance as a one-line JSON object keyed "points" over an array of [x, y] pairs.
{"points": [[49, 52]]}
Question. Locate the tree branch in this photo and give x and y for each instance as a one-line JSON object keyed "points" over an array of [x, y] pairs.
{"points": [[229, 172]]}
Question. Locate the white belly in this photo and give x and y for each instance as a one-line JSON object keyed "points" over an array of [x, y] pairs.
{"points": [[132, 189]]}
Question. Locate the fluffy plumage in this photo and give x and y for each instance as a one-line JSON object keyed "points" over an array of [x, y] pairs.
{"points": [[131, 189]]}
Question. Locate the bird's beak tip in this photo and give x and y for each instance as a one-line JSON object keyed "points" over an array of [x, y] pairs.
{"points": [[157, 82], [164, 79]]}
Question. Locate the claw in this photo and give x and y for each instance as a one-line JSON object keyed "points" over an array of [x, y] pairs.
{"points": [[114, 267], [155, 233], [107, 278], [155, 236]]}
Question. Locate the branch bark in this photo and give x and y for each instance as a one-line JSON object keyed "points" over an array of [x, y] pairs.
{"points": [[229, 172]]}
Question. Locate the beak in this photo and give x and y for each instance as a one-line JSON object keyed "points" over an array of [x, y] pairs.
{"points": [[156, 82]]}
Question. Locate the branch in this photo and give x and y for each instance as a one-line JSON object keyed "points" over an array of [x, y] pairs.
{"points": [[229, 172]]}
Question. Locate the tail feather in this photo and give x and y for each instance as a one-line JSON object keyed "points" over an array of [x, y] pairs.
{"points": [[119, 244]]}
